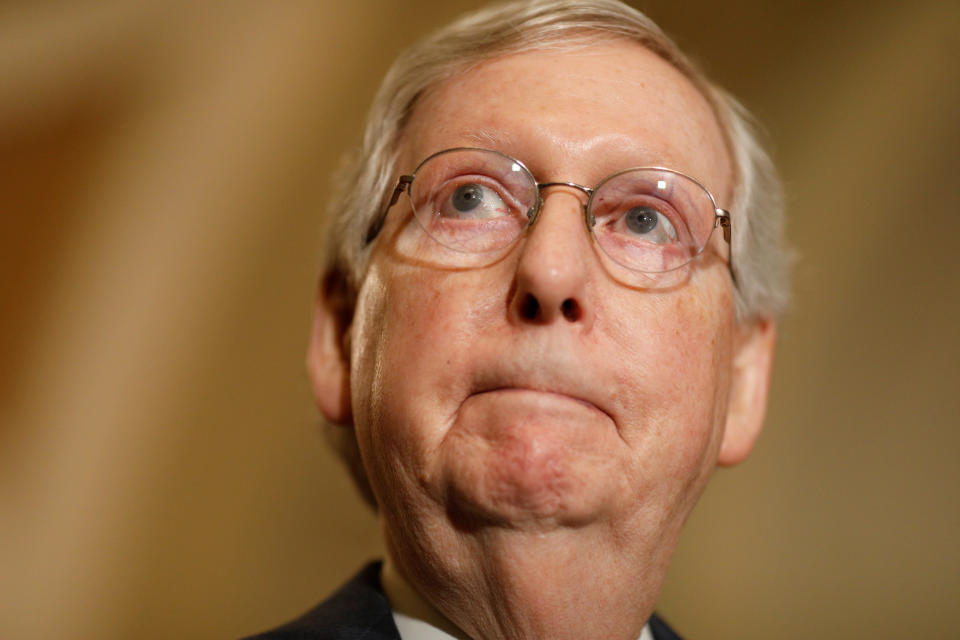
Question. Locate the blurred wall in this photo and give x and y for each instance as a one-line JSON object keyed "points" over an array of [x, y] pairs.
{"points": [[163, 167]]}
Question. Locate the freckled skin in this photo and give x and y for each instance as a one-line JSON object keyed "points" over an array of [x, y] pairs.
{"points": [[513, 509]]}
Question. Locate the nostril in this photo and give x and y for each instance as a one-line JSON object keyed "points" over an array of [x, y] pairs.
{"points": [[529, 308]]}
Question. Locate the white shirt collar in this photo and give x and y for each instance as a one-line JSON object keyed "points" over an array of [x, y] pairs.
{"points": [[413, 629], [415, 621]]}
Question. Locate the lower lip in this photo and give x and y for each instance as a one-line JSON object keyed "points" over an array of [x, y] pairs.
{"points": [[535, 423], [542, 401], [550, 394]]}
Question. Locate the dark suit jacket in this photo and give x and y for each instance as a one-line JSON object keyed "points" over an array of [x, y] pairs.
{"points": [[359, 610]]}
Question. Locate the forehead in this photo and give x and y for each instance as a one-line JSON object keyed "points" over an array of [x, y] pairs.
{"points": [[575, 114]]}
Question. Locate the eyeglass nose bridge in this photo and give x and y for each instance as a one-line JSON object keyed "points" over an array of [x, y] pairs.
{"points": [[588, 218]]}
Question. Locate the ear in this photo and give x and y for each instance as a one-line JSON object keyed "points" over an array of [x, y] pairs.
{"points": [[328, 356], [749, 384]]}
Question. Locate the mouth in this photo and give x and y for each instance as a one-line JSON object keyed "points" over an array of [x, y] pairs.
{"points": [[544, 376], [544, 395], [558, 395]]}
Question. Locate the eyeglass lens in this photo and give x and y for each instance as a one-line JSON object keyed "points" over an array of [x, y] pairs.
{"points": [[479, 201]]}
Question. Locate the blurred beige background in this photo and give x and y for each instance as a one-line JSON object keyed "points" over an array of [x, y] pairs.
{"points": [[162, 172]]}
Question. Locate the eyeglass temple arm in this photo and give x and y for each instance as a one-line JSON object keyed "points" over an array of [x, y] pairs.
{"points": [[375, 228], [723, 220]]}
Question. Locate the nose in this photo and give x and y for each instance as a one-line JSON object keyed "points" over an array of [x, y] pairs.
{"points": [[553, 271]]}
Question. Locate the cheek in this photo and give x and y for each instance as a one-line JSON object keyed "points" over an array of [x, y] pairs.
{"points": [[414, 334], [675, 422], [680, 376]]}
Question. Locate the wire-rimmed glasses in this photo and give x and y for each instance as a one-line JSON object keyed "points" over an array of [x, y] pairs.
{"points": [[476, 202]]}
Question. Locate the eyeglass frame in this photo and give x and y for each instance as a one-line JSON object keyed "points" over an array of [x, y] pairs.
{"points": [[721, 216]]}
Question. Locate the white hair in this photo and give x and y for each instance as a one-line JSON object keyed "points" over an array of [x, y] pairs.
{"points": [[759, 259]]}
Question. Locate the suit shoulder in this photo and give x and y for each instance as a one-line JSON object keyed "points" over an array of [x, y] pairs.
{"points": [[661, 630], [358, 609]]}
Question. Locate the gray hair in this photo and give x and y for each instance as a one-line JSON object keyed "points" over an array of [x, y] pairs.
{"points": [[759, 259]]}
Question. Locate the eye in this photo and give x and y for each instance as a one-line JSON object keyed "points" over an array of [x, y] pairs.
{"points": [[473, 201], [649, 224]]}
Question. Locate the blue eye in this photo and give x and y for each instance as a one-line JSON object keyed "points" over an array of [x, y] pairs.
{"points": [[641, 219], [649, 223], [472, 200], [467, 198]]}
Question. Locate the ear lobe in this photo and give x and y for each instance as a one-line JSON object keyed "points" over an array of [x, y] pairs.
{"points": [[749, 385], [328, 357]]}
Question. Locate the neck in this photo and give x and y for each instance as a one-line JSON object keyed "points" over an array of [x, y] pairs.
{"points": [[509, 584], [405, 599]]}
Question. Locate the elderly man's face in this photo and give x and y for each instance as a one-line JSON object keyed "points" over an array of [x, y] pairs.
{"points": [[608, 406]]}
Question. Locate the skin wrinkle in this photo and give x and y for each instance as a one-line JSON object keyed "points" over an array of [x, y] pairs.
{"points": [[680, 131], [488, 500]]}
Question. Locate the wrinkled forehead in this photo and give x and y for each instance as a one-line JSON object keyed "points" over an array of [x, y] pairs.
{"points": [[583, 110]]}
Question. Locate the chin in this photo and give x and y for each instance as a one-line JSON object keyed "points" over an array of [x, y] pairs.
{"points": [[518, 458], [522, 486]]}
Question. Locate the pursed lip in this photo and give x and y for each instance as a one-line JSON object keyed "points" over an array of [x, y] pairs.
{"points": [[548, 363], [559, 386], [549, 392]]}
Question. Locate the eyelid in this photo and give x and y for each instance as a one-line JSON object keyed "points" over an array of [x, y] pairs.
{"points": [[485, 181], [618, 209]]}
